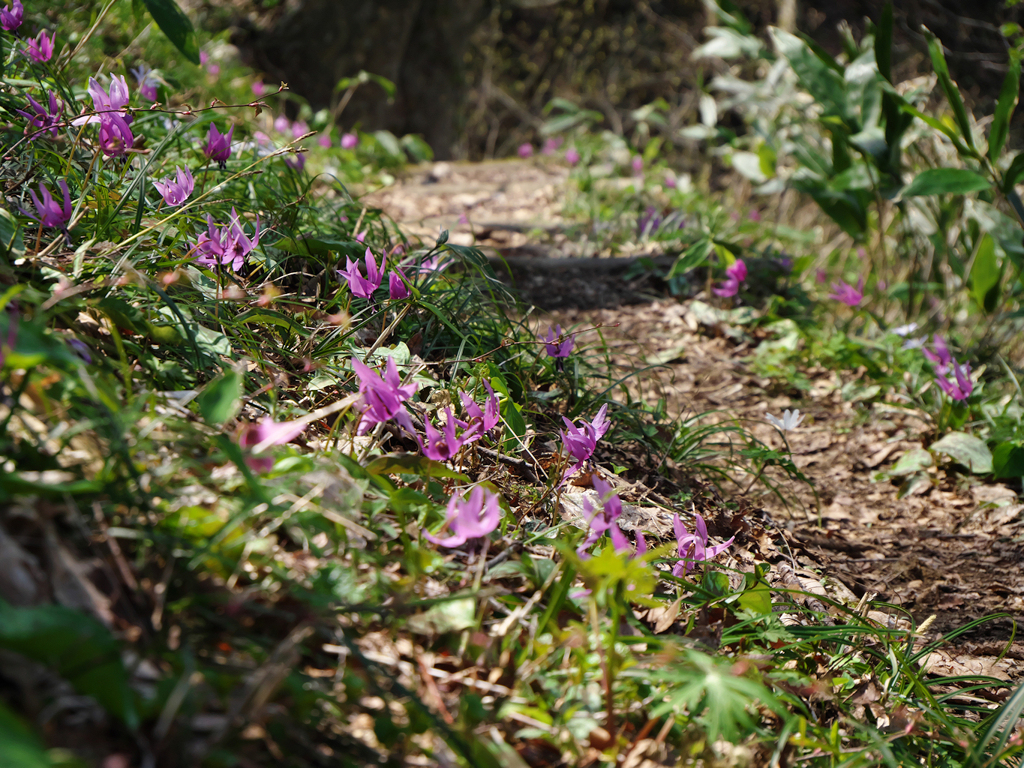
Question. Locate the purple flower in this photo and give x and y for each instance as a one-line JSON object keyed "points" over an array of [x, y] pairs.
{"points": [[43, 119], [324, 140], [441, 446], [40, 49], [735, 274], [115, 133], [469, 519], [359, 285], [489, 417], [961, 386], [382, 398], [551, 145], [10, 17], [218, 145], [638, 165], [556, 345], [50, 213], [847, 294], [258, 88], [670, 181], [228, 245], [572, 156], [267, 432], [941, 357], [176, 191], [147, 81], [603, 519], [349, 141], [299, 128], [81, 349], [397, 288], [525, 150], [581, 441], [693, 547], [296, 162], [282, 124]]}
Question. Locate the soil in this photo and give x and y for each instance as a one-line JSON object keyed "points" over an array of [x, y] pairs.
{"points": [[947, 554]]}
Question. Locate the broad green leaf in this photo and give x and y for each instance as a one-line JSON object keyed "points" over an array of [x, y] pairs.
{"points": [[448, 616], [1008, 96], [985, 274], [77, 647], [965, 449], [10, 235], [911, 462], [176, 25], [19, 747], [756, 596], [949, 88], [1013, 173], [941, 181], [222, 398], [411, 464], [692, 257], [1008, 460]]}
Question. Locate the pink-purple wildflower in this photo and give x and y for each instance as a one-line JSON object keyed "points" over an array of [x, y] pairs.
{"points": [[175, 191], [258, 88], [551, 145], [11, 15], [115, 137], [572, 156], [49, 211], [147, 81], [267, 432], [847, 294], [398, 288], [349, 141], [469, 518], [226, 246], [489, 416], [43, 119], [581, 441], [693, 547], [941, 357], [218, 145], [525, 150], [735, 274], [445, 443], [557, 343], [40, 49], [382, 398], [603, 519], [960, 386], [359, 285]]}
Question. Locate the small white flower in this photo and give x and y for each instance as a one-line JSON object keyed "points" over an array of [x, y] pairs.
{"points": [[790, 420], [914, 343], [905, 330]]}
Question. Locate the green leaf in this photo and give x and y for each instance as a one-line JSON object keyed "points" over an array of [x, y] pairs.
{"points": [[986, 274], [222, 398], [1008, 461], [10, 235], [940, 181], [965, 449], [883, 42], [19, 747], [692, 257], [77, 647], [1008, 96], [411, 464], [448, 616], [756, 596], [910, 462], [1013, 173], [822, 81], [949, 88], [176, 25]]}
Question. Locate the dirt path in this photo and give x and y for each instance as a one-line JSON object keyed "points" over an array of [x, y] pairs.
{"points": [[953, 550]]}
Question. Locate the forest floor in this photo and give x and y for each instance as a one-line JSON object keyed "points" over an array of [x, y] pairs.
{"points": [[952, 549]]}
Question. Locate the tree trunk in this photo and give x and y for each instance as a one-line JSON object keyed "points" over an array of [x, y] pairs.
{"points": [[419, 45]]}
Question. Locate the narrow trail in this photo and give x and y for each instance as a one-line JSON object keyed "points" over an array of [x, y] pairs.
{"points": [[952, 550]]}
